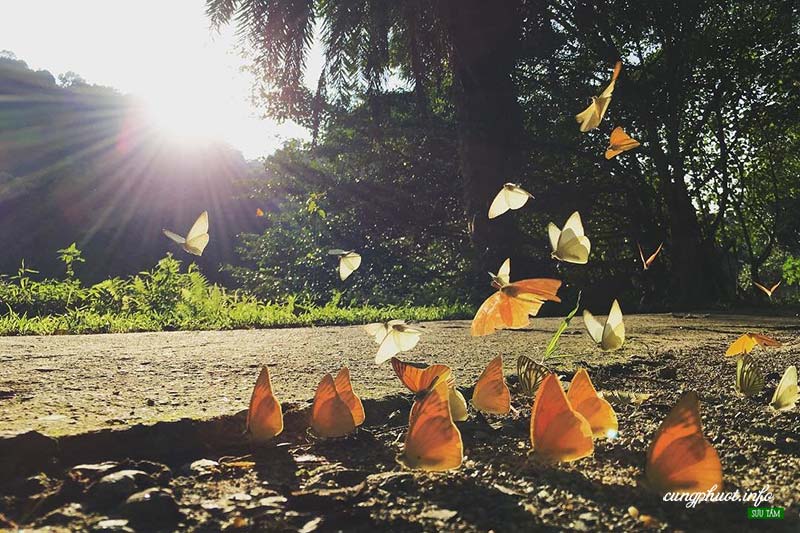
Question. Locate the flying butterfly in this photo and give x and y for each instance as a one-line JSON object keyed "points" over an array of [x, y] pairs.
{"points": [[418, 377], [433, 442], [786, 394], [264, 416], [749, 379], [747, 342], [197, 238], [394, 336], [491, 394], [503, 276], [611, 335], [330, 415], [530, 374], [349, 261], [620, 142], [511, 196], [590, 117], [649, 261], [769, 292], [259, 212], [680, 459], [570, 244], [558, 432], [598, 412]]}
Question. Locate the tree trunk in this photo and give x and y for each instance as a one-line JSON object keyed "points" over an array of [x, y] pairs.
{"points": [[485, 40]]}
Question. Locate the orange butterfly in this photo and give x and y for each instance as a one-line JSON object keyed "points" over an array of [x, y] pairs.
{"points": [[433, 441], [680, 459], [620, 142], [345, 390], [491, 394], [330, 415], [767, 291], [513, 303], [264, 417], [418, 377], [747, 342], [649, 261], [259, 212], [598, 412], [558, 432]]}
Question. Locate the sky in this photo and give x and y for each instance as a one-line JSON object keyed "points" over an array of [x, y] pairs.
{"points": [[161, 51]]}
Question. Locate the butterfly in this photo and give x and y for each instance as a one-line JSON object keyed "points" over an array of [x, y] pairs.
{"points": [[349, 261], [491, 394], [598, 412], [331, 416], [649, 261], [623, 397], [680, 459], [433, 442], [197, 238], [558, 432], [570, 244], [767, 291], [345, 390], [530, 374], [394, 336], [418, 377], [590, 117], [611, 335], [259, 212], [747, 342], [511, 196], [264, 416], [503, 276], [749, 379], [786, 395], [620, 142]]}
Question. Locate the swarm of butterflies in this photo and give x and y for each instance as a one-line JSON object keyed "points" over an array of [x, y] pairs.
{"points": [[564, 422]]}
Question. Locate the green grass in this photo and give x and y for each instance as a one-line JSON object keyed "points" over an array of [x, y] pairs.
{"points": [[166, 299]]}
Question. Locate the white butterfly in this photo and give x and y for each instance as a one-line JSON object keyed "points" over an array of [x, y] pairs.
{"points": [[511, 196], [394, 336], [503, 276], [197, 238], [749, 379], [786, 395], [570, 244], [590, 117], [611, 335], [349, 261], [458, 405]]}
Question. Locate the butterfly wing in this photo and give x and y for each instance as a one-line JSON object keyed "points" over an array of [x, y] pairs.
{"points": [[598, 412], [774, 287], [743, 344], [174, 236], [573, 246], [330, 416], [653, 257], [433, 442], [763, 288], [504, 274], [516, 197], [557, 431], [197, 238], [488, 320], [348, 264], [418, 377], [491, 394], [614, 329], [749, 379], [554, 234], [458, 405], [345, 390], [264, 416], [530, 374], [589, 118], [593, 326], [786, 395], [196, 245], [399, 339], [620, 142], [499, 204], [377, 331], [763, 340]]}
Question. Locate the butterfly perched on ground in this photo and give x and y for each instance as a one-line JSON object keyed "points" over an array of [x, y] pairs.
{"points": [[624, 397], [649, 261], [558, 432], [349, 261], [511, 196], [335, 413], [598, 412], [491, 394], [769, 292], [611, 335], [570, 244], [433, 442], [264, 416], [747, 342], [680, 459], [590, 117], [620, 142], [197, 238], [786, 394], [394, 336], [513, 303], [530, 374], [418, 377], [749, 379]]}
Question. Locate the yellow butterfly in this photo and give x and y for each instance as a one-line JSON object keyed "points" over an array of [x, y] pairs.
{"points": [[530, 374], [620, 142], [767, 291], [786, 395], [558, 432], [259, 212], [264, 417], [491, 394], [597, 411], [749, 379], [570, 244], [747, 342], [611, 335], [590, 117], [394, 336], [197, 238], [511, 196], [349, 261]]}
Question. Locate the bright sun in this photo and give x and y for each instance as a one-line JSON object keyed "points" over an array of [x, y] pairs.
{"points": [[187, 118]]}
